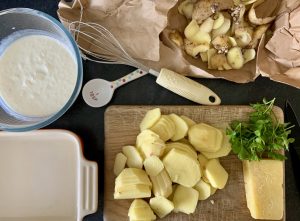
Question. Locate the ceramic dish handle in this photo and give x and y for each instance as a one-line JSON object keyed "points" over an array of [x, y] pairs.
{"points": [[89, 187], [187, 88]]}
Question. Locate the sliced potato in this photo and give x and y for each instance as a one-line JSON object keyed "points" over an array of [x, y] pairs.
{"points": [[181, 146], [132, 176], [210, 53], [181, 127], [232, 41], [176, 37], [243, 37], [235, 58], [205, 137], [203, 56], [207, 25], [188, 120], [133, 192], [223, 29], [212, 190], [182, 168], [149, 144], [216, 174], [201, 48], [120, 163], [186, 8], [161, 206], [202, 161], [218, 20], [249, 55], [162, 184], [153, 165], [203, 189], [140, 210], [185, 199], [134, 159], [165, 128], [200, 37], [191, 29], [222, 152], [146, 136], [151, 117]]}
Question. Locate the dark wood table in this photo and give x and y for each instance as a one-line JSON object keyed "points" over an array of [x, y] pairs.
{"points": [[88, 122]]}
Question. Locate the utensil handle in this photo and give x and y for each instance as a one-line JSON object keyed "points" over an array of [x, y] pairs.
{"points": [[187, 88], [89, 188], [129, 77]]}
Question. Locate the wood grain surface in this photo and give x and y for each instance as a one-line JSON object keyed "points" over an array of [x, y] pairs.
{"points": [[122, 127]]}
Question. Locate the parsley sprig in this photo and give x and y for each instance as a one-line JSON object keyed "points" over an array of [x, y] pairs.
{"points": [[262, 136]]}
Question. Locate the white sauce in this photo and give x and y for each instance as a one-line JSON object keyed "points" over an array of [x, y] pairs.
{"points": [[37, 76]]}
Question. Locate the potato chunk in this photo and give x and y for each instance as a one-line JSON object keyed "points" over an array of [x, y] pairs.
{"points": [[149, 144], [204, 190], [181, 146], [165, 128], [134, 159], [205, 137], [223, 151], [130, 176], [151, 117], [161, 206], [185, 199], [153, 165], [188, 120], [181, 127], [182, 168], [133, 192], [162, 184], [140, 210], [216, 174], [120, 163]]}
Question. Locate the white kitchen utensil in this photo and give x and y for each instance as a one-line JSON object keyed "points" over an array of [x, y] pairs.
{"points": [[112, 52], [98, 92], [44, 177]]}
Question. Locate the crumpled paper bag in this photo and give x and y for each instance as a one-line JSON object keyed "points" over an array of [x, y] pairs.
{"points": [[280, 58], [142, 27]]}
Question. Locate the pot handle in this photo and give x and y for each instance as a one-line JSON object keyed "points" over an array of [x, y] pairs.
{"points": [[88, 187]]}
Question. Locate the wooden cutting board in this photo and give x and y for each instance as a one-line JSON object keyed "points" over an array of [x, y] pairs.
{"points": [[122, 127]]}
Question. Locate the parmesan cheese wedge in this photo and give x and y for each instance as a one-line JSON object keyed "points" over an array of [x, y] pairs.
{"points": [[264, 188]]}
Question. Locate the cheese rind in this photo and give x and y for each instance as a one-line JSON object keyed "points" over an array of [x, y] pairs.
{"points": [[264, 188]]}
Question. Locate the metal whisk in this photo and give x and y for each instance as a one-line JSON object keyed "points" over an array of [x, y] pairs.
{"points": [[110, 51]]}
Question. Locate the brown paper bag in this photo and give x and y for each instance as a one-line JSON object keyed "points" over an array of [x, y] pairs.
{"points": [[142, 27]]}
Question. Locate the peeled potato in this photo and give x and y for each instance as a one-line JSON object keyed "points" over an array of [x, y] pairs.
{"points": [[205, 137], [140, 210], [200, 37], [161, 206], [202, 161], [185, 199], [243, 37], [249, 55], [223, 151], [162, 184], [120, 163], [133, 192], [181, 146], [207, 25], [165, 128], [218, 20], [235, 58], [191, 29], [203, 189], [203, 56], [223, 29], [186, 8], [134, 159], [188, 120], [181, 127], [216, 174], [146, 136], [151, 117], [153, 165], [182, 168], [132, 176]]}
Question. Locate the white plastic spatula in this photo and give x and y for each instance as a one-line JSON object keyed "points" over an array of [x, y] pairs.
{"points": [[98, 92]]}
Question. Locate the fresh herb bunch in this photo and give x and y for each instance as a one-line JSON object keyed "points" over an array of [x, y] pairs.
{"points": [[262, 136]]}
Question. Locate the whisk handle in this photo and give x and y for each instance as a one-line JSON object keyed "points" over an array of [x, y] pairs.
{"points": [[187, 88], [129, 77]]}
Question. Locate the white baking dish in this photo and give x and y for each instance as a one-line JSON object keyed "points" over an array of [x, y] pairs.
{"points": [[44, 177]]}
